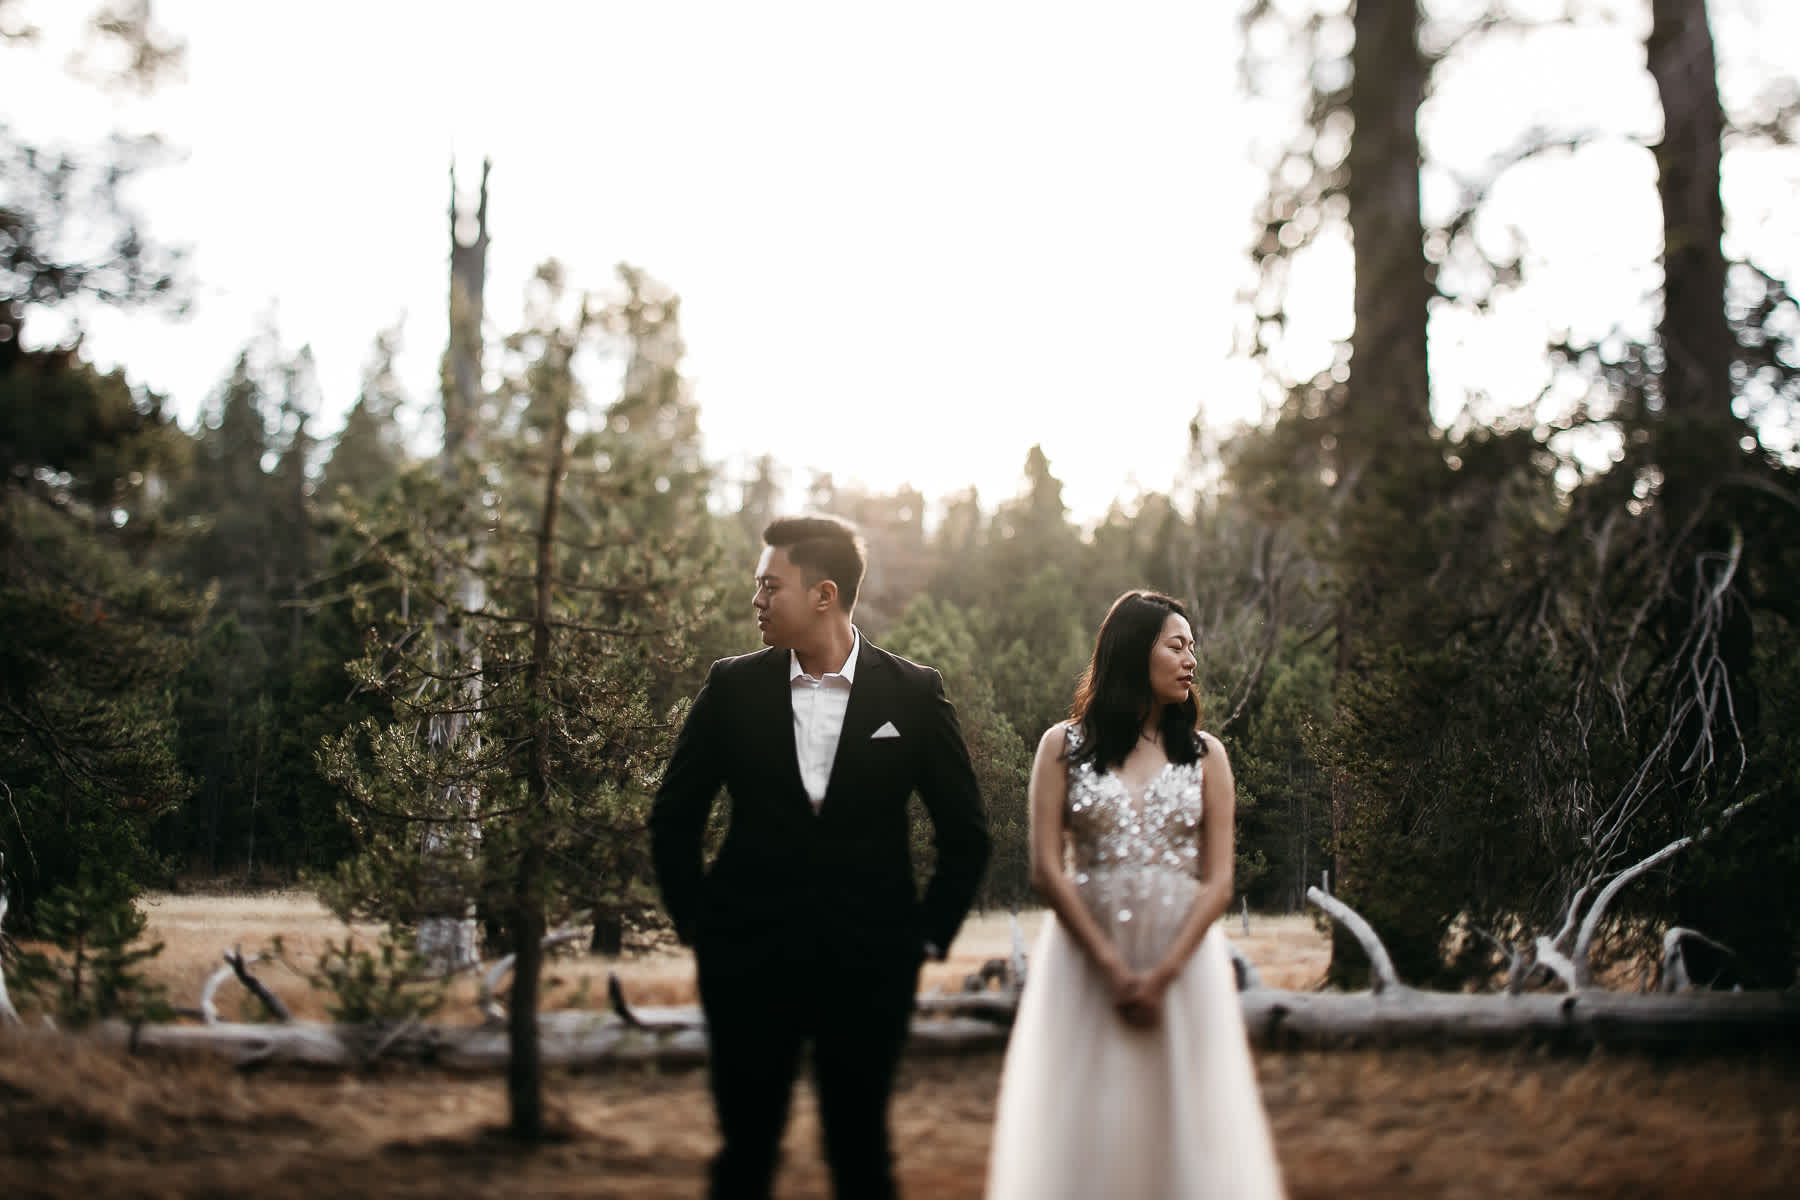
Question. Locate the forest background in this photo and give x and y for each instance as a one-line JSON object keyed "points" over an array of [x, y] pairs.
{"points": [[1471, 661]]}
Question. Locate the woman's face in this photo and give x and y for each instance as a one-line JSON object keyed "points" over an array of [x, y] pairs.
{"points": [[1172, 661]]}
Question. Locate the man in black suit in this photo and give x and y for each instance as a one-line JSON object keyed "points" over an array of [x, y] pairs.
{"points": [[808, 928]]}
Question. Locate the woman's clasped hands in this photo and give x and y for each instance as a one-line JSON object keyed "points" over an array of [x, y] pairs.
{"points": [[1138, 995]]}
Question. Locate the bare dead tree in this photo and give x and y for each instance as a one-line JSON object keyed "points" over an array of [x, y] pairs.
{"points": [[447, 938]]}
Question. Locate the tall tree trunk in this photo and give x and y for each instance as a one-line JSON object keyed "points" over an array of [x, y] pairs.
{"points": [[524, 1079], [1390, 390], [462, 386], [1386, 422], [1698, 432], [447, 938], [300, 523], [1695, 436]]}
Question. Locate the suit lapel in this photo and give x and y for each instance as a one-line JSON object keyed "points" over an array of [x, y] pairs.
{"points": [[868, 704], [775, 716]]}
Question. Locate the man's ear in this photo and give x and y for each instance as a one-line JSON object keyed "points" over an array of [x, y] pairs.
{"points": [[828, 594]]}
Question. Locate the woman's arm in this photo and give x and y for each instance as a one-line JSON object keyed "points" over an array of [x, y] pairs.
{"points": [[1048, 796], [1218, 797]]}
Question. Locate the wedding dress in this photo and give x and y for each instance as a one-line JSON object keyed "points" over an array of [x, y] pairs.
{"points": [[1090, 1107]]}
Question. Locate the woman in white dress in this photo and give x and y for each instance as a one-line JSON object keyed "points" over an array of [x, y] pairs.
{"points": [[1128, 1073]]}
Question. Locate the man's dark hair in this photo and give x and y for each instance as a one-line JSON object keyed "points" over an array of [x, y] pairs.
{"points": [[824, 548]]}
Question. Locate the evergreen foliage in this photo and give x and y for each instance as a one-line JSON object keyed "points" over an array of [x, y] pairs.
{"points": [[91, 971], [1545, 669], [633, 536], [939, 634], [266, 681], [87, 755], [384, 987]]}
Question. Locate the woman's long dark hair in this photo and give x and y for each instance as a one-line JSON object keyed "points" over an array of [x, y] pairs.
{"points": [[1113, 697]]}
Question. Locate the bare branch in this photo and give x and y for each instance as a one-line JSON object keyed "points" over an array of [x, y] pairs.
{"points": [[392, 1038], [1247, 977], [1583, 975], [209, 1012], [270, 1001], [1518, 965], [1557, 963], [1383, 967], [237, 964], [1570, 917], [615, 997], [490, 1007], [1674, 962]]}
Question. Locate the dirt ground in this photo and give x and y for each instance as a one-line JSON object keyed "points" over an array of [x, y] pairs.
{"points": [[76, 1120], [83, 1122]]}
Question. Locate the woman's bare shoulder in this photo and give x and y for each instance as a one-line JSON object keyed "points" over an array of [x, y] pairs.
{"points": [[1059, 739]]}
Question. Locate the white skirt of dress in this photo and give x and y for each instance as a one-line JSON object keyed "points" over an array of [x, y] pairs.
{"points": [[1090, 1107]]}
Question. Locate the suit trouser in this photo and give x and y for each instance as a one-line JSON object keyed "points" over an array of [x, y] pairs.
{"points": [[759, 1022]]}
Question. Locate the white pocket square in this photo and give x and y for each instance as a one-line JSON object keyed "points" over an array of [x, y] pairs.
{"points": [[887, 730]]}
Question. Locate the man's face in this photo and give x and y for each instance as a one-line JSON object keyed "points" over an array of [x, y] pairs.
{"points": [[785, 606]]}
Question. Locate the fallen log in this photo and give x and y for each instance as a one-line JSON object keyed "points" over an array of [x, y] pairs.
{"points": [[956, 1024], [1584, 1020], [993, 1008]]}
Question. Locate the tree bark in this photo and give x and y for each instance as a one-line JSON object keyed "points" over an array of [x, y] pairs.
{"points": [[1386, 417], [1695, 437], [1390, 388], [1698, 431], [524, 1081], [448, 939]]}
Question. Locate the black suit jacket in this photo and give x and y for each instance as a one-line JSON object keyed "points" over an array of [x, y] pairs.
{"points": [[834, 886]]}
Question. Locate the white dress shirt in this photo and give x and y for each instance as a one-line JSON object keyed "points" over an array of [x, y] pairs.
{"points": [[819, 707]]}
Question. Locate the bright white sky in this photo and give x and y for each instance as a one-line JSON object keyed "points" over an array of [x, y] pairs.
{"points": [[910, 241]]}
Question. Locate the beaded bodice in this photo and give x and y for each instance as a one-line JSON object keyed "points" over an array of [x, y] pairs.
{"points": [[1109, 828]]}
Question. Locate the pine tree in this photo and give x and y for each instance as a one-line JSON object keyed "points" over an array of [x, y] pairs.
{"points": [[86, 730], [591, 578], [368, 451], [93, 639]]}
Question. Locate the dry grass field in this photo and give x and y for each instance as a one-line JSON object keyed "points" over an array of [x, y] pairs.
{"points": [[196, 930], [79, 1121]]}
